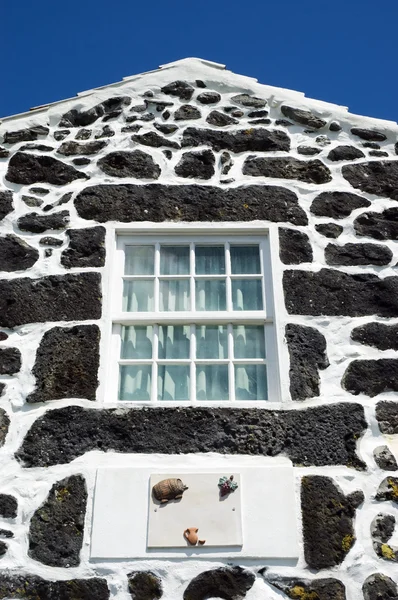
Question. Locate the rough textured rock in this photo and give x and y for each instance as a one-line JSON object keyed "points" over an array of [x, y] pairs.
{"points": [[220, 119], [29, 168], [181, 89], [6, 533], [54, 298], [380, 226], [66, 365], [56, 528], [16, 254], [304, 589], [39, 147], [311, 171], [308, 150], [379, 587], [25, 135], [329, 230], [375, 177], [61, 134], [4, 425], [294, 247], [6, 204], [378, 153], [371, 377], [32, 201], [106, 131], [8, 506], [382, 527], [32, 587], [385, 459], [74, 148], [154, 140], [166, 128], [144, 585], [159, 203], [50, 241], [388, 490], [208, 98], [4, 153], [136, 164], [10, 361], [368, 134], [81, 161], [324, 435], [247, 140], [86, 248], [387, 417], [307, 352], [337, 205], [76, 118], [199, 165], [304, 117], [327, 522], [345, 153], [358, 254], [229, 583], [332, 292], [249, 101], [83, 134], [187, 112], [36, 223], [379, 335]]}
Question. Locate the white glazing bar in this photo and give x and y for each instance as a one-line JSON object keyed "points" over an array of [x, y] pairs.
{"points": [[155, 348], [231, 374], [228, 279], [192, 356], [157, 268], [192, 276]]}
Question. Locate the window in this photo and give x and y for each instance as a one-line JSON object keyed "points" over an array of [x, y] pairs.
{"points": [[194, 319]]}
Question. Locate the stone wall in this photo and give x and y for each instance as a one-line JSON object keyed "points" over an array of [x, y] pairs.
{"points": [[191, 143]]}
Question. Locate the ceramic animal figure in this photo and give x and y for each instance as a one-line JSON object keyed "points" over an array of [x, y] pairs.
{"points": [[191, 535], [168, 489]]}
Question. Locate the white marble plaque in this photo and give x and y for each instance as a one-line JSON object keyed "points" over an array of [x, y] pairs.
{"points": [[217, 518]]}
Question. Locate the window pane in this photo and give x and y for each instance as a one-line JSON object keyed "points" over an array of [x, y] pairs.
{"points": [[135, 382], [211, 341], [249, 341], [246, 294], [209, 260], [173, 382], [210, 294], [140, 260], [174, 341], [174, 260], [245, 259], [138, 295], [251, 382], [174, 294], [137, 342], [212, 382]]}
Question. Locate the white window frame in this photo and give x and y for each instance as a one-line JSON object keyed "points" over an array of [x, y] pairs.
{"points": [[182, 233]]}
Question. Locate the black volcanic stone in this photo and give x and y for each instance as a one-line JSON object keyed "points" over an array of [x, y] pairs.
{"points": [[74, 148], [200, 83], [357, 254], [199, 165], [307, 352], [372, 145], [83, 134], [86, 248], [105, 132], [379, 335], [324, 435], [329, 230], [147, 117], [4, 425], [260, 121], [32, 587], [283, 123], [6, 204], [252, 140], [32, 201], [379, 587], [388, 490], [387, 417], [375, 177], [385, 459], [61, 134], [10, 361], [317, 589], [155, 202], [57, 527], [69, 297], [208, 98], [304, 117], [39, 190], [249, 101], [81, 161], [4, 153], [181, 89], [308, 150], [334, 126], [220, 119], [50, 241], [76, 118], [8, 506], [144, 585], [334, 293], [337, 205], [166, 128], [154, 140], [345, 153], [378, 153], [371, 377], [137, 164], [39, 147], [6, 533], [368, 134], [328, 515], [36, 223], [29, 168], [378, 225], [228, 583], [294, 246], [311, 171], [186, 112], [226, 163], [16, 254], [66, 364], [382, 527], [256, 114], [25, 135]]}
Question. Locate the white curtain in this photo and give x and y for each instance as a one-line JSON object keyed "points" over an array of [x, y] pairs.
{"points": [[209, 260], [135, 382], [245, 259], [250, 382], [212, 382], [173, 382], [139, 260]]}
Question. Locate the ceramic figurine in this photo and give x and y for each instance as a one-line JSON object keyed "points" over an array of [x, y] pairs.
{"points": [[191, 535], [227, 486], [168, 489]]}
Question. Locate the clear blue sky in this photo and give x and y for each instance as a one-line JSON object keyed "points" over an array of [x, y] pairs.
{"points": [[342, 51]]}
